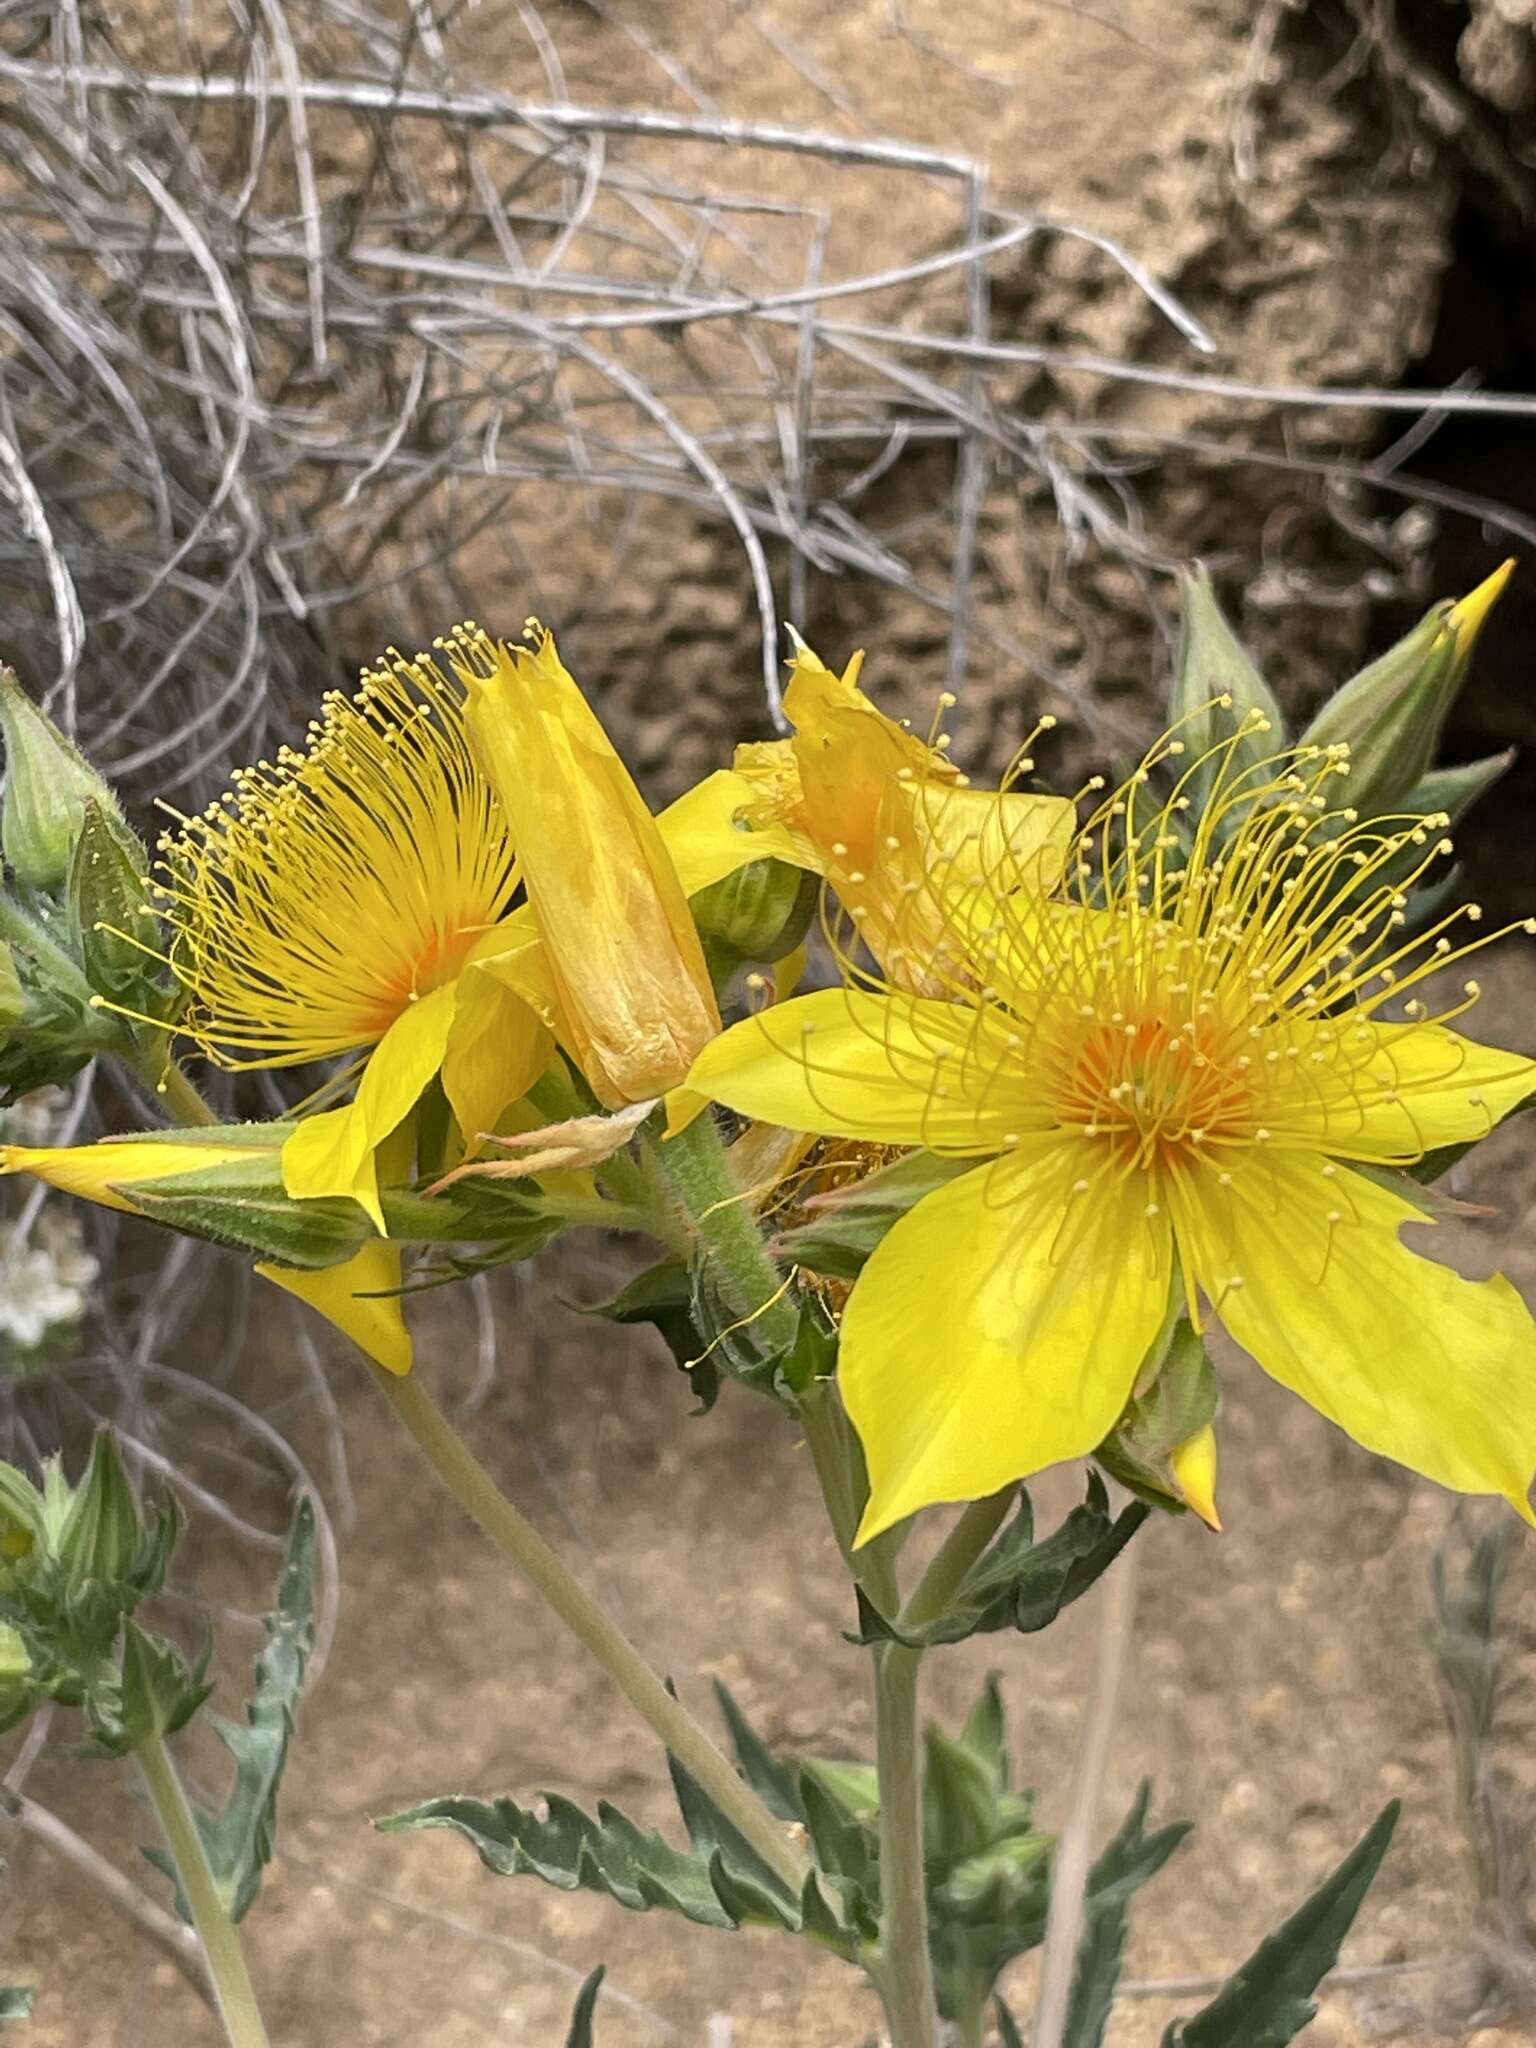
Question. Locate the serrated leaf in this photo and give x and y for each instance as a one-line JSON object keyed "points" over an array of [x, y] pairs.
{"points": [[238, 1839], [1018, 1583], [773, 1782], [608, 1854], [663, 1297], [1126, 1864], [580, 2034], [1268, 2001]]}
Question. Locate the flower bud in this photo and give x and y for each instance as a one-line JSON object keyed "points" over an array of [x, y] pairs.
{"points": [[100, 1536], [760, 913], [48, 783], [1217, 694], [1392, 714]]}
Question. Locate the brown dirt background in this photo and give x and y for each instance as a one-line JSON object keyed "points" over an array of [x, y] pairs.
{"points": [[1278, 1687]]}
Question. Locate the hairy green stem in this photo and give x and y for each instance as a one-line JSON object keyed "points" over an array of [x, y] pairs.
{"points": [[483, 1501], [218, 1934], [955, 1555], [906, 1969], [700, 1171], [181, 1096]]}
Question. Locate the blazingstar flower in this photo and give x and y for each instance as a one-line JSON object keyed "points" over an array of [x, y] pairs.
{"points": [[354, 897], [1180, 1077], [356, 1294], [879, 812]]}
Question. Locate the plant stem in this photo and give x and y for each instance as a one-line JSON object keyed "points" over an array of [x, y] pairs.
{"points": [[700, 1171], [1074, 1847], [955, 1556], [215, 1930], [482, 1500], [906, 1969]]}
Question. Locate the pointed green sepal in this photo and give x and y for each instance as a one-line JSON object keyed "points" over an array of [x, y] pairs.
{"points": [[48, 783]]}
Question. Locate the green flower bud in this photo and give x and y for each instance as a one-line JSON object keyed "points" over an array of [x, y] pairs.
{"points": [[1392, 714], [48, 783], [760, 913], [101, 1532], [1217, 694]]}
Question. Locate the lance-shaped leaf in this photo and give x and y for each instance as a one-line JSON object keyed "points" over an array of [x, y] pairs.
{"points": [[1018, 1583], [580, 2035], [1128, 1861], [663, 1296], [1269, 2000], [238, 1840]]}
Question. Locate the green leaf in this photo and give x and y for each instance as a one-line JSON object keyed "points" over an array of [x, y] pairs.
{"points": [[158, 1692], [580, 2035], [1007, 2026], [663, 1297], [15, 2002], [1018, 1583], [773, 1782], [610, 1855], [1269, 2000], [1128, 1861], [238, 1840], [847, 1225]]}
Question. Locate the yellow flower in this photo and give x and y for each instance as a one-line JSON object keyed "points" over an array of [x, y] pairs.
{"points": [[887, 818], [103, 1173], [619, 972], [353, 897], [1183, 1077]]}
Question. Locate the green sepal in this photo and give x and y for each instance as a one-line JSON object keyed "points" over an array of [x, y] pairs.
{"points": [[1126, 1864], [13, 1001], [1454, 790], [109, 907], [847, 1226], [1212, 663], [1181, 1401], [1268, 2001], [1018, 1583], [580, 2032], [242, 1203], [238, 1840]]}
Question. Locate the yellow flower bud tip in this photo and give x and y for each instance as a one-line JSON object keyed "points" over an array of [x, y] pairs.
{"points": [[1194, 1470], [1465, 619]]}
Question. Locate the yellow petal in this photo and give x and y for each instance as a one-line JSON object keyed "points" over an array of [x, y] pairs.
{"points": [[633, 993], [707, 839], [338, 1293], [1417, 1364], [999, 1327], [897, 1070], [333, 1153], [96, 1172], [1194, 1470], [1397, 1091], [497, 1048], [1465, 619]]}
